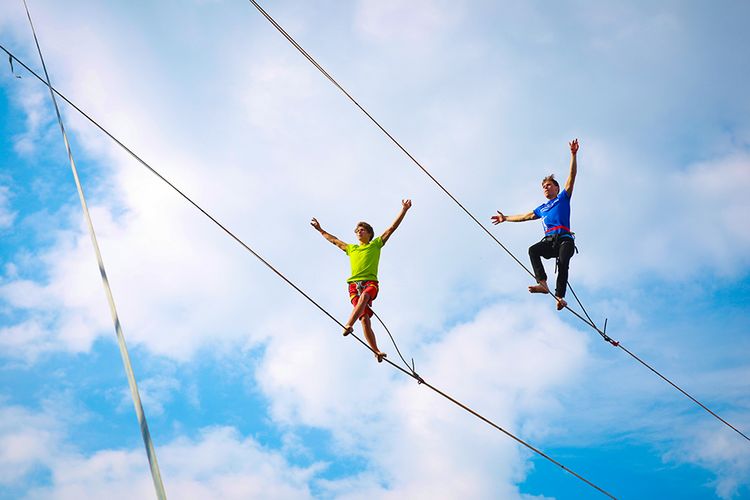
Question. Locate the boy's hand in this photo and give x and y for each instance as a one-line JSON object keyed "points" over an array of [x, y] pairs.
{"points": [[497, 219]]}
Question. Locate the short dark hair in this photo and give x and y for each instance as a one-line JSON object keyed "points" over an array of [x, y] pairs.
{"points": [[551, 178], [367, 227]]}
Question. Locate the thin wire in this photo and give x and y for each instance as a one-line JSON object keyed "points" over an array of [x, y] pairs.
{"points": [[150, 451], [393, 341], [685, 393], [416, 377], [481, 226]]}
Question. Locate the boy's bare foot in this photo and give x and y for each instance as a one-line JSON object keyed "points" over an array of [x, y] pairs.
{"points": [[348, 330], [538, 289], [560, 303], [380, 355]]}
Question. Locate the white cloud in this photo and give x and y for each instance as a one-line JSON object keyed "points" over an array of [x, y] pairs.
{"points": [[719, 450], [685, 223], [27, 440], [217, 463], [505, 363], [7, 215], [155, 393], [416, 23]]}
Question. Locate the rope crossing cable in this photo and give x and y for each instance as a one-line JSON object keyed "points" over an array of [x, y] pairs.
{"points": [[587, 320], [413, 375], [146, 435]]}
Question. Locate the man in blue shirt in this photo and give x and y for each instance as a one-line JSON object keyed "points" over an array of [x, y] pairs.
{"points": [[558, 238]]}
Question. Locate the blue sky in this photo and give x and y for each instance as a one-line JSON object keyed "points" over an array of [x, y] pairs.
{"points": [[249, 390]]}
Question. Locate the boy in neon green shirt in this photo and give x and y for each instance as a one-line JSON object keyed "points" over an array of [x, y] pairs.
{"points": [[364, 258]]}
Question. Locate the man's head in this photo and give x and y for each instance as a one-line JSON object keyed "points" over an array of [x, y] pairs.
{"points": [[364, 232], [550, 187]]}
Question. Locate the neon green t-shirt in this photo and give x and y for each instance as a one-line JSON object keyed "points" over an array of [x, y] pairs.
{"points": [[364, 260]]}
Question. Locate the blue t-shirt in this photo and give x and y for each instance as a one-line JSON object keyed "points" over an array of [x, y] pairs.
{"points": [[555, 214]]}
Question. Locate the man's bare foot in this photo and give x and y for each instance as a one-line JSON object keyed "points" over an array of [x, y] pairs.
{"points": [[560, 303], [538, 289], [380, 355], [348, 330]]}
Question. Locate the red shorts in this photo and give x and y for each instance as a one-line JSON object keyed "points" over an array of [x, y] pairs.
{"points": [[357, 288]]}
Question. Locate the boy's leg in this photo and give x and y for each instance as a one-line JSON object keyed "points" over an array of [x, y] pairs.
{"points": [[370, 337], [565, 253], [536, 252], [359, 309]]}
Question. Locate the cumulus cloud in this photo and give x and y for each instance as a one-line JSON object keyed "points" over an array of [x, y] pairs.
{"points": [[505, 363], [27, 441], [7, 214], [719, 450], [216, 462]]}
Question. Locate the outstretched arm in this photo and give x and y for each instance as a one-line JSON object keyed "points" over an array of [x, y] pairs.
{"points": [[405, 206], [328, 236], [500, 217], [573, 168]]}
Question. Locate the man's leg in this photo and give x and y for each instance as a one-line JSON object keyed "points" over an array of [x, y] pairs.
{"points": [[359, 309], [536, 252], [370, 337], [565, 253]]}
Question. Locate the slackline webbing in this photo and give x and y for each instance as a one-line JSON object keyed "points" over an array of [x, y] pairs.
{"points": [[150, 451]]}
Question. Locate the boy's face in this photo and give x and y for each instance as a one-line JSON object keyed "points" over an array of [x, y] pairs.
{"points": [[550, 190], [363, 235]]}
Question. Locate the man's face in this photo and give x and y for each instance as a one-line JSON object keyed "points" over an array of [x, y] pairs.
{"points": [[363, 235], [550, 190]]}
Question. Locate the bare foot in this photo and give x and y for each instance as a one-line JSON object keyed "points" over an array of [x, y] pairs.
{"points": [[380, 355], [348, 330], [560, 303], [538, 289]]}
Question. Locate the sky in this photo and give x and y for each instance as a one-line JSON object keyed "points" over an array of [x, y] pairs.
{"points": [[250, 390]]}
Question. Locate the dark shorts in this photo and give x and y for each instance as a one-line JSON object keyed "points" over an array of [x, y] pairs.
{"points": [[357, 288]]}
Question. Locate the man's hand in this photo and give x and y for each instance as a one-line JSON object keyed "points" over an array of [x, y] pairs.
{"points": [[497, 219], [405, 206], [314, 223], [574, 146]]}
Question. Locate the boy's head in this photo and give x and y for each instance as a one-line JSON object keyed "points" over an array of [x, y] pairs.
{"points": [[364, 232], [550, 187]]}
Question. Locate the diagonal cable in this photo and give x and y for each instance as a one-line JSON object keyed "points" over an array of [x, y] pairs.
{"points": [[590, 323], [150, 451], [416, 377]]}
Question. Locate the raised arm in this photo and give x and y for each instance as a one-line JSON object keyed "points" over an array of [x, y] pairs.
{"points": [[405, 206], [500, 217], [327, 235], [573, 168]]}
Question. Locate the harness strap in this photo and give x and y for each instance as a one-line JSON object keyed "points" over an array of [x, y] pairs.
{"points": [[556, 228]]}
